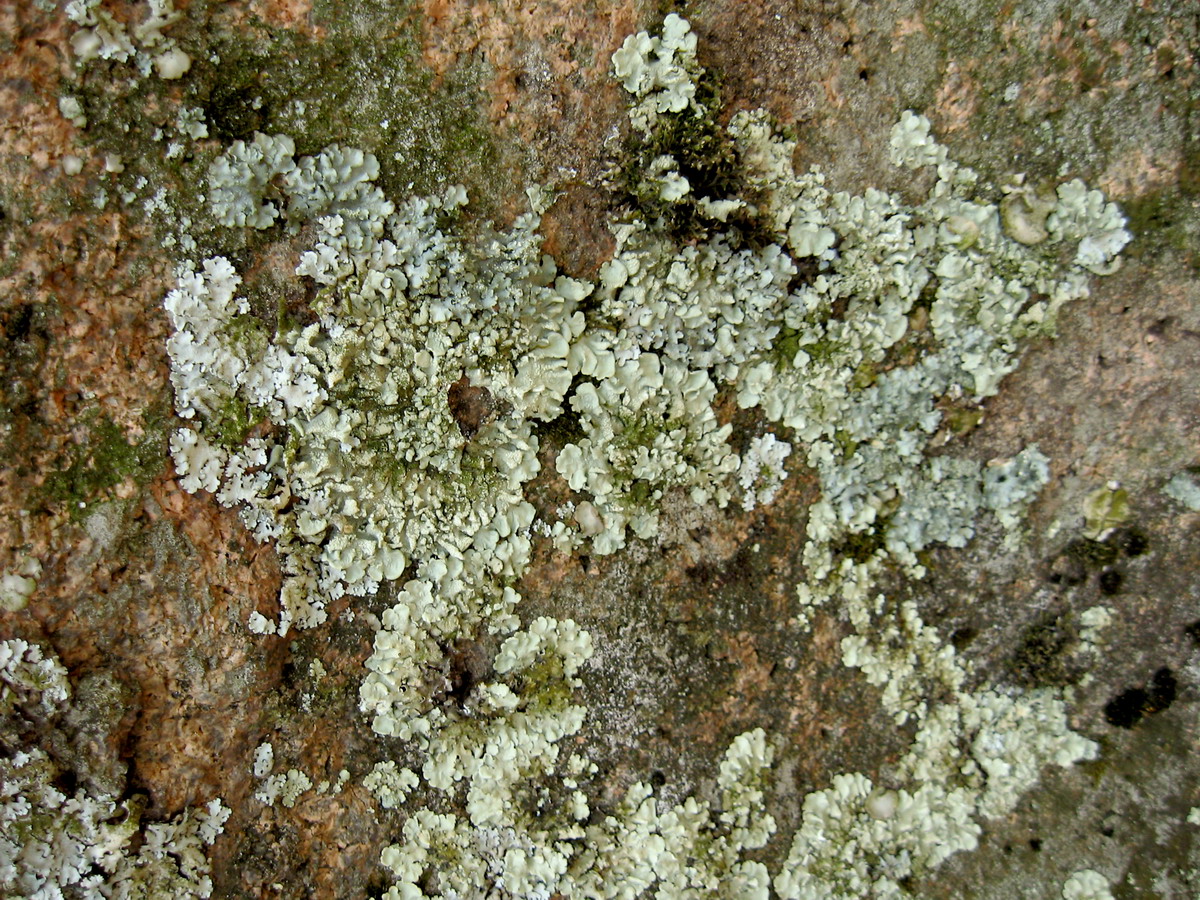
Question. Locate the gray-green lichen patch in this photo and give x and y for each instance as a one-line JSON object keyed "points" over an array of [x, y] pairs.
{"points": [[381, 377], [357, 82], [1184, 489], [359, 85], [680, 166], [67, 828]]}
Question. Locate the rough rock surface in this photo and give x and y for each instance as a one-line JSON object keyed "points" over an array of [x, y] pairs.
{"points": [[148, 588]]}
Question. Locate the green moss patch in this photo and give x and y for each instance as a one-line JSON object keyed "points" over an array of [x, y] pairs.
{"points": [[91, 469]]}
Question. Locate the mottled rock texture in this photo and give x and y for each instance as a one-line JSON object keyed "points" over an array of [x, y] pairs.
{"points": [[145, 590]]}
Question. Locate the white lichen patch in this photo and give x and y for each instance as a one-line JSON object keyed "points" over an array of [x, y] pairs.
{"points": [[72, 110], [823, 356], [1184, 489], [240, 178], [390, 785], [264, 759], [650, 427], [972, 757], [26, 671], [190, 123], [398, 431], [659, 71], [1093, 622], [762, 474], [18, 585], [100, 35], [408, 406], [283, 787], [83, 843], [1087, 884], [640, 848]]}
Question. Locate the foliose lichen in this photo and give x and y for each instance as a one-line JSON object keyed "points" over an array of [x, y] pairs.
{"points": [[57, 842], [373, 474], [397, 431]]}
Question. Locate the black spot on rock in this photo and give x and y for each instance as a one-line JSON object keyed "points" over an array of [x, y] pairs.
{"points": [[231, 110], [962, 637], [1131, 541], [1110, 581], [1131, 706], [1193, 631], [1163, 689], [1125, 709], [20, 324]]}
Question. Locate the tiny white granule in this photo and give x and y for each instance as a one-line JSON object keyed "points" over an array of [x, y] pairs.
{"points": [[172, 64], [1087, 884], [264, 759]]}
